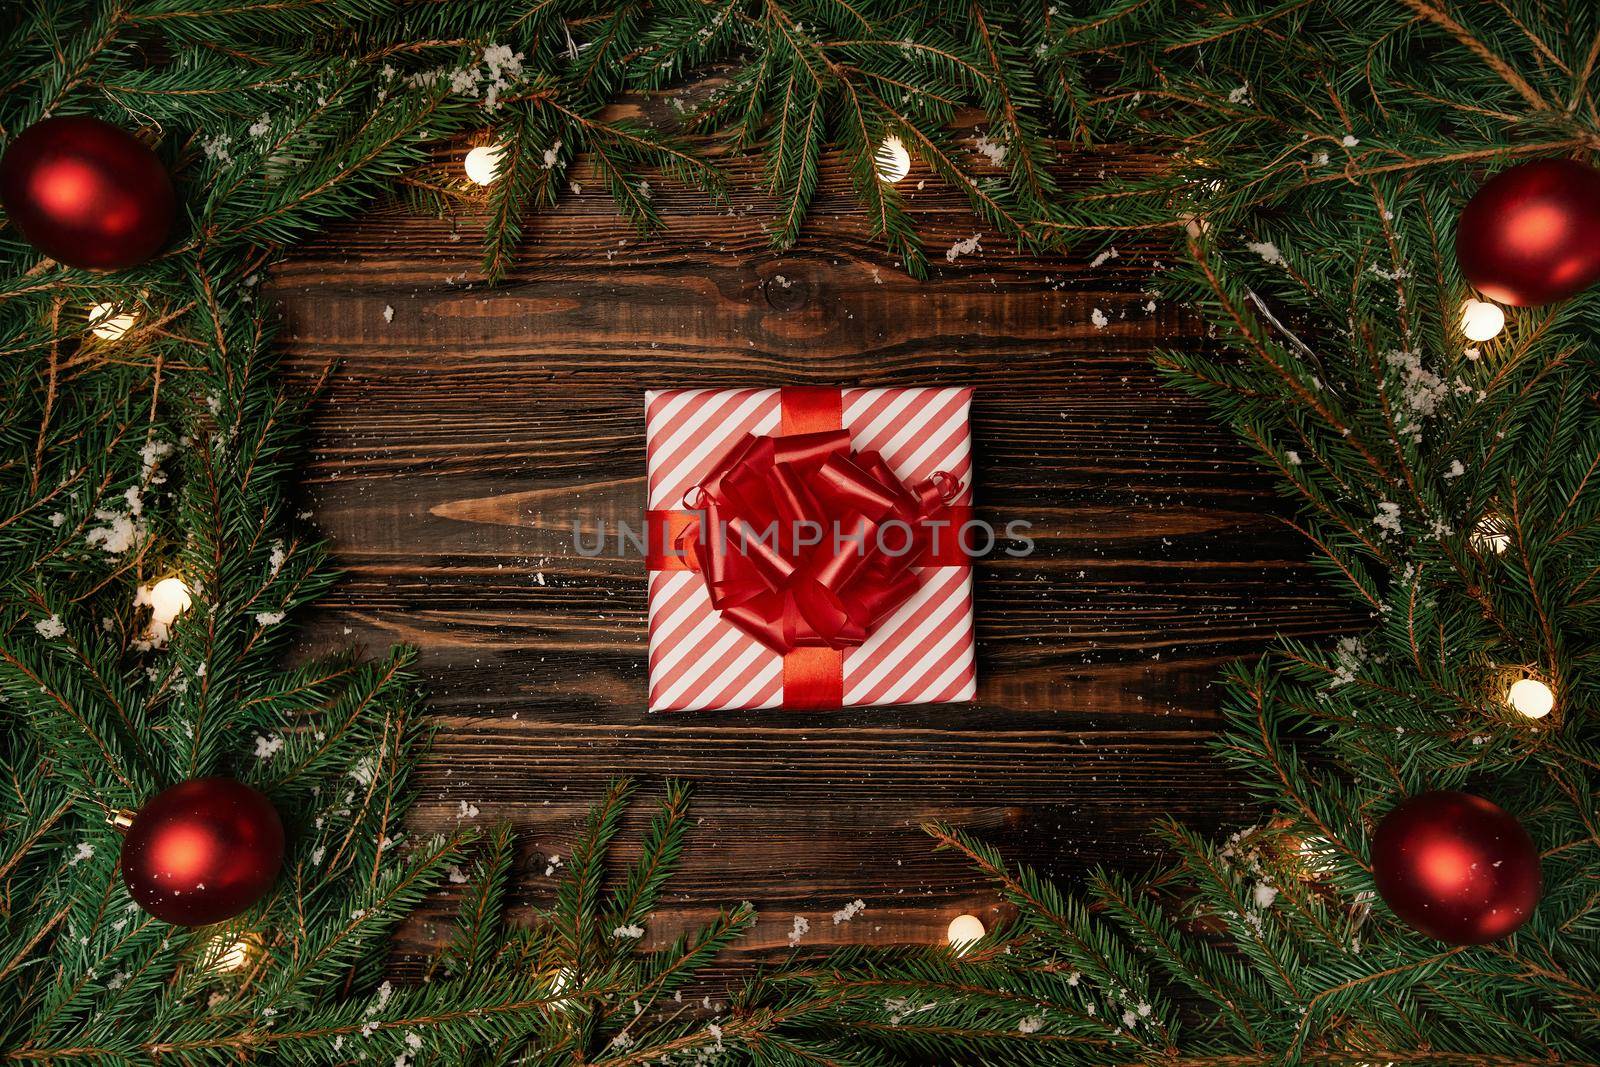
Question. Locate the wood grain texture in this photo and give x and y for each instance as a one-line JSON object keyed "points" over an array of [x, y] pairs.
{"points": [[464, 434]]}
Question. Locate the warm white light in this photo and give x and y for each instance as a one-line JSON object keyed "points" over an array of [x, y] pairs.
{"points": [[1531, 697], [106, 322], [483, 163], [964, 930], [892, 162], [1481, 320], [1490, 535], [557, 983], [169, 598], [235, 955]]}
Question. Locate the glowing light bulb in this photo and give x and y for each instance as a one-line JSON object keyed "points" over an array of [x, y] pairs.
{"points": [[557, 983], [1490, 535], [1531, 697], [892, 161], [234, 955], [106, 322], [964, 930], [483, 163], [169, 598], [1481, 320]]}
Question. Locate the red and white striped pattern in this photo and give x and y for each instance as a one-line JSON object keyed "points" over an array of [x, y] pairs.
{"points": [[699, 661], [921, 654], [687, 430], [917, 431]]}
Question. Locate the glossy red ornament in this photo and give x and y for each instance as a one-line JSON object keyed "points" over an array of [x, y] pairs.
{"points": [[1456, 867], [1531, 234], [87, 193], [202, 851]]}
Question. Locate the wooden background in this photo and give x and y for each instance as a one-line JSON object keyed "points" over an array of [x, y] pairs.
{"points": [[466, 431]]}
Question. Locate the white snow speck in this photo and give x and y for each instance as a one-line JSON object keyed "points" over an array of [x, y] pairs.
{"points": [[1267, 251], [963, 247], [50, 628], [801, 927], [993, 151], [849, 911]]}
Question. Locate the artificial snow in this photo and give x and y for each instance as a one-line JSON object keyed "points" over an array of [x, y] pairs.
{"points": [[801, 927], [631, 930], [1388, 518], [964, 247], [50, 628], [267, 747], [849, 911], [993, 151], [119, 533], [1268, 251]]}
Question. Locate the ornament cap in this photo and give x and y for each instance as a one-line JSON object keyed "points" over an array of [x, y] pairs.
{"points": [[122, 818]]}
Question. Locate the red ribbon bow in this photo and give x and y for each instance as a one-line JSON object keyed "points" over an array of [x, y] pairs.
{"points": [[805, 543]]}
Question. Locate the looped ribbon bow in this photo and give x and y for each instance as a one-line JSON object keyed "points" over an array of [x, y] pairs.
{"points": [[805, 543]]}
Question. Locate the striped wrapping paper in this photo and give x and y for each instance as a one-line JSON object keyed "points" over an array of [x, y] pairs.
{"points": [[923, 653]]}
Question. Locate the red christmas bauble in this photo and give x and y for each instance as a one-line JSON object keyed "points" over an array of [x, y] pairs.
{"points": [[1532, 233], [202, 851], [1456, 867], [86, 193]]}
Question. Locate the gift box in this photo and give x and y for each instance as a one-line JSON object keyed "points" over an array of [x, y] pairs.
{"points": [[806, 547]]}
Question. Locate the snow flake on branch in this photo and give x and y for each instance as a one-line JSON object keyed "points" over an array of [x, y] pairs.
{"points": [[1269, 252], [499, 69]]}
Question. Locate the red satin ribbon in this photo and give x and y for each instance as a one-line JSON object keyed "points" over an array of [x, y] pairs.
{"points": [[793, 535]]}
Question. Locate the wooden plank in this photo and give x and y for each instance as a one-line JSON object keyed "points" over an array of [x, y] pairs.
{"points": [[468, 428]]}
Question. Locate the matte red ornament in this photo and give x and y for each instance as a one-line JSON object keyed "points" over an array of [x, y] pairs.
{"points": [[87, 193], [202, 851], [1531, 234], [1456, 867]]}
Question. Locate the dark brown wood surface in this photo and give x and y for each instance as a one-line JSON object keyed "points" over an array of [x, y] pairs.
{"points": [[464, 434]]}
